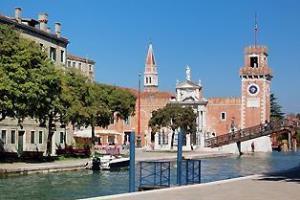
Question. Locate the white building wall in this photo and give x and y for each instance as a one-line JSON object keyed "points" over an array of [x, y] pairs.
{"points": [[261, 144]]}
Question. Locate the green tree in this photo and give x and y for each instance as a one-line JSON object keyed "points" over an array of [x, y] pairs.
{"points": [[174, 116], [49, 108], [276, 113], [23, 69], [122, 102], [93, 104], [30, 84]]}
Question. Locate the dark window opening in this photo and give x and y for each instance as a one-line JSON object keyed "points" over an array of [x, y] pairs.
{"points": [[53, 53], [32, 137], [223, 116], [61, 137], [40, 137], [3, 136], [254, 61], [152, 137], [13, 137], [111, 140], [62, 56]]}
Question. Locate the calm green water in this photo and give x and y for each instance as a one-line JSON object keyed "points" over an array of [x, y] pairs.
{"points": [[83, 184]]}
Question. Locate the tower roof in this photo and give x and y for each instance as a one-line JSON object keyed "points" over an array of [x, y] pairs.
{"points": [[150, 60]]}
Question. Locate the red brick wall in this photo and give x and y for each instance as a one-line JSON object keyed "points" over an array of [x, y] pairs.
{"points": [[231, 106], [150, 101]]}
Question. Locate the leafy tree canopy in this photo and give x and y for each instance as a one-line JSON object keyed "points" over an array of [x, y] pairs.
{"points": [[27, 76], [31, 86], [174, 116]]}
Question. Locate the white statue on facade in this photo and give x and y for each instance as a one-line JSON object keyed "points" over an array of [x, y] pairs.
{"points": [[188, 73]]}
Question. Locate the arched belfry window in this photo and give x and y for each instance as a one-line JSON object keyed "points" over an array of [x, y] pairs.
{"points": [[254, 61], [146, 79], [150, 80]]}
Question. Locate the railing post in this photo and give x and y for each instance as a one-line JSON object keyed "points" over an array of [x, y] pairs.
{"points": [[132, 163], [141, 175], [155, 173], [187, 171], [179, 157], [199, 171], [169, 174]]}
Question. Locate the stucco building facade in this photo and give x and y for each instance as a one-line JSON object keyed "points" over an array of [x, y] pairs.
{"points": [[30, 136], [85, 66]]}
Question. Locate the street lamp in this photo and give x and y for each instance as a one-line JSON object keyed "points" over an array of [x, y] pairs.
{"points": [[139, 139]]}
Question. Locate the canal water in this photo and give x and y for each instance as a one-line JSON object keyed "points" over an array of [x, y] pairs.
{"points": [[85, 183]]}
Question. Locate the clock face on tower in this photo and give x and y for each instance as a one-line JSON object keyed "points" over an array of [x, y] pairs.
{"points": [[253, 89]]}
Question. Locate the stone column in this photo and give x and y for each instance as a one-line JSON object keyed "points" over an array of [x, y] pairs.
{"points": [[169, 139], [156, 145], [188, 142]]}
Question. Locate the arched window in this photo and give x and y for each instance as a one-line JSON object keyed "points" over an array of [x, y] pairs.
{"points": [[150, 80], [254, 61], [146, 79]]}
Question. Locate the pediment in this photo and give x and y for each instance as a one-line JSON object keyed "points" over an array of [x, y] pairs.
{"points": [[187, 84]]}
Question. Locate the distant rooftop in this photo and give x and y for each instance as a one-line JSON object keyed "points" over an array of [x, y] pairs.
{"points": [[34, 27], [80, 59]]}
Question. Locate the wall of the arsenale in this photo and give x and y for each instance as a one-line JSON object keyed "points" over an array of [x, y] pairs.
{"points": [[221, 113]]}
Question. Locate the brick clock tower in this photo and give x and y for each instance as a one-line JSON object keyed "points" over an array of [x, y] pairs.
{"points": [[256, 78], [150, 74]]}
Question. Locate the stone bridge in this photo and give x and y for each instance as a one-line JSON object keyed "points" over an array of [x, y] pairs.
{"points": [[251, 133]]}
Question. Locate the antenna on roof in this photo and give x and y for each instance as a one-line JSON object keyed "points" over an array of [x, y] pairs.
{"points": [[255, 30]]}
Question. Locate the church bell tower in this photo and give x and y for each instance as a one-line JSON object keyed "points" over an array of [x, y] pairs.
{"points": [[150, 74]]}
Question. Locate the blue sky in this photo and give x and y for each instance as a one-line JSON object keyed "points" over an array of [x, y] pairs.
{"points": [[209, 36]]}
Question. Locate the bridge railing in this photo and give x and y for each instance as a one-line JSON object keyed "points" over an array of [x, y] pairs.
{"points": [[247, 133]]}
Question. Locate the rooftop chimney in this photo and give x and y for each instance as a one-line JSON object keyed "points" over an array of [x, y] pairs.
{"points": [[57, 29], [43, 19], [18, 15]]}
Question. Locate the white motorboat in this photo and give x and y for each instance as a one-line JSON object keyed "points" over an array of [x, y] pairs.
{"points": [[107, 162], [112, 162]]}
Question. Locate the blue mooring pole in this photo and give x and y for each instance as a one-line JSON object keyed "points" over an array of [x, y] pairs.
{"points": [[179, 157], [132, 163]]}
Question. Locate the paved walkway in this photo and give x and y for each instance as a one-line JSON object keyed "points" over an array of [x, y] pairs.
{"points": [[172, 155], [26, 168], [276, 187]]}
